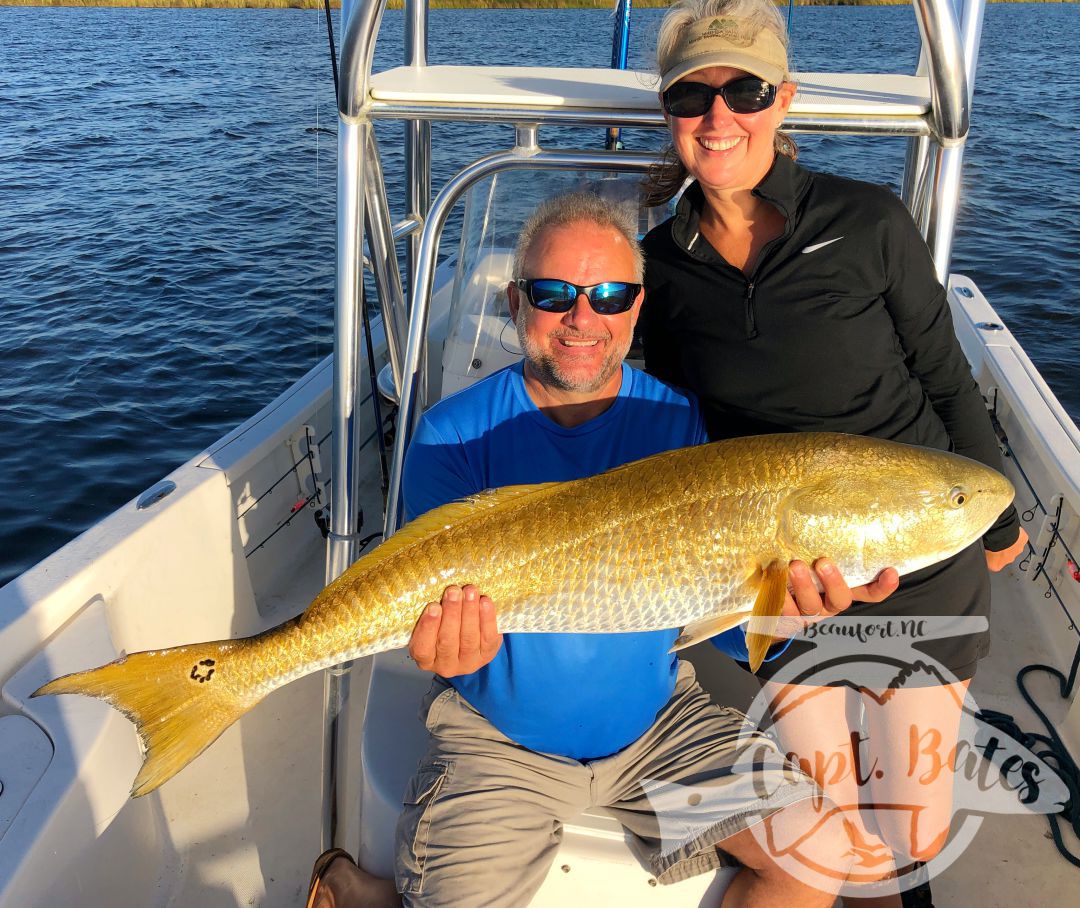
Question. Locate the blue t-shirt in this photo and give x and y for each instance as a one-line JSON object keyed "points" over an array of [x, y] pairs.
{"points": [[583, 696]]}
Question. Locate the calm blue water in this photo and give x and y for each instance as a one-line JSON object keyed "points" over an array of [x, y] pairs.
{"points": [[167, 205]]}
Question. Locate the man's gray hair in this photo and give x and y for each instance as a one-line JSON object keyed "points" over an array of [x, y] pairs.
{"points": [[577, 208]]}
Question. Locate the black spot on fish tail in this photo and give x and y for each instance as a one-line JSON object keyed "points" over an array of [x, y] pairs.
{"points": [[198, 675]]}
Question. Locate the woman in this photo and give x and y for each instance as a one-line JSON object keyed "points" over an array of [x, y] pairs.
{"points": [[796, 301]]}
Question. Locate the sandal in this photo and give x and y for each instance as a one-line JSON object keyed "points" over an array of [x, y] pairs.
{"points": [[322, 864]]}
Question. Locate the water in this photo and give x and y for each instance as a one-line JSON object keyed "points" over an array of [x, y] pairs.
{"points": [[167, 205]]}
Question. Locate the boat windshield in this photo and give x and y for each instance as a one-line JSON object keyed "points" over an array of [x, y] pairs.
{"points": [[480, 335]]}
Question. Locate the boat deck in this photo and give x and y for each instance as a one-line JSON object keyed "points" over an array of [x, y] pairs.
{"points": [[1012, 859]]}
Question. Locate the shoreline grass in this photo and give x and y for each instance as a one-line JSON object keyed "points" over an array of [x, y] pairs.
{"points": [[434, 4]]}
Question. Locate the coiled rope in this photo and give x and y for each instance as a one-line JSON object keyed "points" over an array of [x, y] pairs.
{"points": [[1054, 752]]}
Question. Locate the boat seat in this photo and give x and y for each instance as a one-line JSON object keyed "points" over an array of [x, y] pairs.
{"points": [[405, 91]]}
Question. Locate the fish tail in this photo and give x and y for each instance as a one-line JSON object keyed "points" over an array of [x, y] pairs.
{"points": [[180, 700]]}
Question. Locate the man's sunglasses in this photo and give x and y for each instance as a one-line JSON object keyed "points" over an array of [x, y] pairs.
{"points": [[553, 295], [742, 96]]}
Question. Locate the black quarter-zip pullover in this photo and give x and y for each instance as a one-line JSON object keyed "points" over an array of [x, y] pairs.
{"points": [[841, 325]]}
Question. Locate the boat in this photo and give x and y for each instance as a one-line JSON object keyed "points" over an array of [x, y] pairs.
{"points": [[247, 532]]}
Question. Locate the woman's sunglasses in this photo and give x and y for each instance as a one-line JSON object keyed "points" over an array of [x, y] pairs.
{"points": [[742, 96], [553, 295]]}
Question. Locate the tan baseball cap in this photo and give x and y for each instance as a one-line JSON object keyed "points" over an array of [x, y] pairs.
{"points": [[724, 42]]}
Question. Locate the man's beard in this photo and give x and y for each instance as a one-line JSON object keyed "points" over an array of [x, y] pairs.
{"points": [[551, 372]]}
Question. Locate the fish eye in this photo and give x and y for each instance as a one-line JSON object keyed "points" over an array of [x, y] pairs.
{"points": [[958, 496]]}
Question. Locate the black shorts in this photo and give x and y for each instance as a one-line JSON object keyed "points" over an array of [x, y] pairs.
{"points": [[957, 587]]}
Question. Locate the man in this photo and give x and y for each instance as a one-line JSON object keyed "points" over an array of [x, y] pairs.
{"points": [[530, 729]]}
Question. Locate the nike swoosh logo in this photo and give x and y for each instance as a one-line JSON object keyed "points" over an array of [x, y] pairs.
{"points": [[818, 246]]}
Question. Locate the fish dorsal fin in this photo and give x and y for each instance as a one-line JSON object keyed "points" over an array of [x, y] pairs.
{"points": [[697, 631], [438, 519], [766, 614]]}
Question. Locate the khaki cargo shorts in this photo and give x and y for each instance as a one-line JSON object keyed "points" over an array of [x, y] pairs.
{"points": [[483, 816]]}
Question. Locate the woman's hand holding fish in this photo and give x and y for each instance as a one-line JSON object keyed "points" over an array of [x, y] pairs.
{"points": [[458, 635], [805, 604]]}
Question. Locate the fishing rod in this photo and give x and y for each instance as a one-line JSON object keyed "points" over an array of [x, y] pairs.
{"points": [[620, 43]]}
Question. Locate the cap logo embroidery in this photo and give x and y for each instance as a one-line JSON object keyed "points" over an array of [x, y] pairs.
{"points": [[727, 29]]}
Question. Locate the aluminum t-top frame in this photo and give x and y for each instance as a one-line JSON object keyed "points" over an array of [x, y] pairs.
{"points": [[931, 107]]}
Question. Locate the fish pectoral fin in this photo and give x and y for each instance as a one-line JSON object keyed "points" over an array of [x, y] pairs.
{"points": [[766, 614], [697, 631]]}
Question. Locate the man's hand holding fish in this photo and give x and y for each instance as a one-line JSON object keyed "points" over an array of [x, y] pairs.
{"points": [[457, 635]]}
